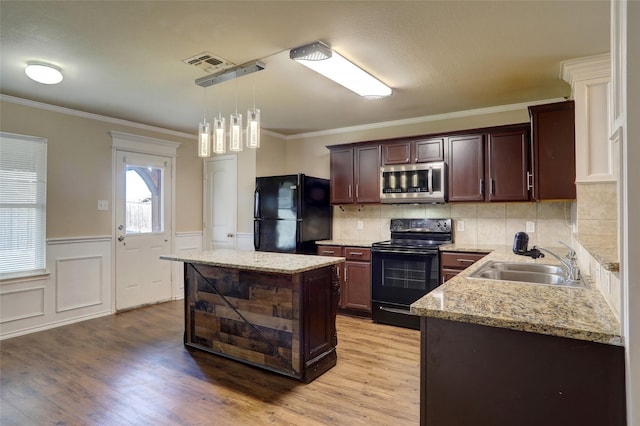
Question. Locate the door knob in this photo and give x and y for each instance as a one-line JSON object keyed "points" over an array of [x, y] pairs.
{"points": [[121, 238], [229, 235]]}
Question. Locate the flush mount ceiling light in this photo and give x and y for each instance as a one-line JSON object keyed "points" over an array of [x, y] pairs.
{"points": [[44, 73], [320, 58]]}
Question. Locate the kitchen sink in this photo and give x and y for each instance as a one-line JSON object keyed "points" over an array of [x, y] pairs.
{"points": [[531, 273]]}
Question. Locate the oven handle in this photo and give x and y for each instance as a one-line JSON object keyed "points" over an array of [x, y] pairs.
{"points": [[408, 251], [396, 310]]}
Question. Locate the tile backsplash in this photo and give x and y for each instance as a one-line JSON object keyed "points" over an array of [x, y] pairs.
{"points": [[473, 223]]}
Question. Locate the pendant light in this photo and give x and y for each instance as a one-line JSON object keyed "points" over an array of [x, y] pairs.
{"points": [[219, 132], [235, 128], [204, 133], [253, 123], [219, 142]]}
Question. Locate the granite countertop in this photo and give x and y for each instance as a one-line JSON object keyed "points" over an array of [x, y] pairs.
{"points": [[573, 312], [346, 243], [284, 263]]}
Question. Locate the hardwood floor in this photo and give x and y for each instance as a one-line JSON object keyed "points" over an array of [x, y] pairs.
{"points": [[132, 369]]}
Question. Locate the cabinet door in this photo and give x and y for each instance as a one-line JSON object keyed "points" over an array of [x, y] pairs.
{"points": [[428, 150], [507, 163], [319, 313], [357, 288], [335, 251], [367, 174], [553, 155], [447, 274], [397, 153], [341, 169], [465, 156]]}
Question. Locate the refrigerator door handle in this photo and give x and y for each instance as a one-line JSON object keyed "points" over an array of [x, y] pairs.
{"points": [[256, 234], [256, 203]]}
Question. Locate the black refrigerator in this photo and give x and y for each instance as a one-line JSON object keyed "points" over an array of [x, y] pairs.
{"points": [[291, 213]]}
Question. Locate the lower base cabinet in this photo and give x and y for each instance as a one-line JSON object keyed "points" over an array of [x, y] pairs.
{"points": [[472, 374], [355, 277]]}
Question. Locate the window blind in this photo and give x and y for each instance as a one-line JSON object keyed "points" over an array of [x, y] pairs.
{"points": [[23, 187]]}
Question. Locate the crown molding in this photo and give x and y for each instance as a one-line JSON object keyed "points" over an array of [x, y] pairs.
{"points": [[426, 119], [92, 116], [586, 68]]}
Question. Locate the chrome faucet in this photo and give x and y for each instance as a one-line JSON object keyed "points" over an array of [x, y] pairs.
{"points": [[569, 262]]}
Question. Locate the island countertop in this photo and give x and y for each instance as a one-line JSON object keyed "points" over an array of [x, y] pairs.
{"points": [[573, 312], [283, 263]]}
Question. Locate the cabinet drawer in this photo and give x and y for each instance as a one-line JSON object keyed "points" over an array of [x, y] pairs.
{"points": [[459, 260], [335, 251], [357, 254]]}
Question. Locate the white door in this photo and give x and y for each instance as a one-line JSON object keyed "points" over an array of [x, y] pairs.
{"points": [[143, 229], [220, 201]]}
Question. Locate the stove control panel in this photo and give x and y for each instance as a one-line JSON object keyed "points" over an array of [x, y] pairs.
{"points": [[420, 225]]}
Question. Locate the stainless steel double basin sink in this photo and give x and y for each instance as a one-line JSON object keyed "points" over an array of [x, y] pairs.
{"points": [[531, 273]]}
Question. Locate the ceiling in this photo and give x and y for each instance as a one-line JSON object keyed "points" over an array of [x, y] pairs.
{"points": [[125, 59]]}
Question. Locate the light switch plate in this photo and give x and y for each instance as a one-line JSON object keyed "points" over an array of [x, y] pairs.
{"points": [[460, 225], [103, 205], [530, 226]]}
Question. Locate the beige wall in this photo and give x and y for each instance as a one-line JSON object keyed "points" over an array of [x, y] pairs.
{"points": [[79, 163]]}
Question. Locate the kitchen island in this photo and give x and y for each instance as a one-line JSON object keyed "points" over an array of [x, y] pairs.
{"points": [[275, 311], [504, 353]]}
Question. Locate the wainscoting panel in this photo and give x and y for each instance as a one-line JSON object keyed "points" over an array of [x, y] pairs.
{"points": [[17, 305], [78, 282], [77, 288]]}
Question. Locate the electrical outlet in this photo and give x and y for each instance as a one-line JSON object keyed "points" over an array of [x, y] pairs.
{"points": [[530, 226], [360, 224], [103, 205], [460, 225]]}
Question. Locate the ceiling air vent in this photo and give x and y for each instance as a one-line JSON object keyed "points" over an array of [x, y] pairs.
{"points": [[208, 62]]}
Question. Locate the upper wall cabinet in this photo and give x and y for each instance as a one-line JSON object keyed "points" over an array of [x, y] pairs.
{"points": [[590, 80], [355, 174], [413, 151], [553, 151], [489, 167]]}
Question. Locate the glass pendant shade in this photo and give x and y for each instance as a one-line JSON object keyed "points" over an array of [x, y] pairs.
{"points": [[219, 145], [204, 139], [235, 132], [253, 128]]}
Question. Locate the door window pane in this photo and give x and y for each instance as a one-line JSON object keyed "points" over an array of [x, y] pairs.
{"points": [[144, 205]]}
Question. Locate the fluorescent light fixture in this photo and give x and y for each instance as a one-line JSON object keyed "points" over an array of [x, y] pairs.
{"points": [[44, 73], [320, 58], [204, 139]]}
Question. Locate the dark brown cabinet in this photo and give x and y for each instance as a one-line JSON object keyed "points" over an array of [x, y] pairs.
{"points": [[453, 262], [507, 165], [553, 151], [355, 174], [489, 167], [465, 158], [415, 151], [355, 277]]}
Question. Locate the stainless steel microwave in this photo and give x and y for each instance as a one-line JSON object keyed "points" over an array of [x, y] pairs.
{"points": [[414, 183]]}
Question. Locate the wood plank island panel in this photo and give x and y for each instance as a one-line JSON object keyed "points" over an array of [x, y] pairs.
{"points": [[281, 322]]}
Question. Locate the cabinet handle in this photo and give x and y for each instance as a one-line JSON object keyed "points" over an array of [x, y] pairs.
{"points": [[481, 186], [349, 191], [356, 253], [529, 181], [357, 188], [465, 260], [328, 252], [493, 187], [345, 274]]}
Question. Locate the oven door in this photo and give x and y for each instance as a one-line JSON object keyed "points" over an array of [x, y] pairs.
{"points": [[402, 277]]}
